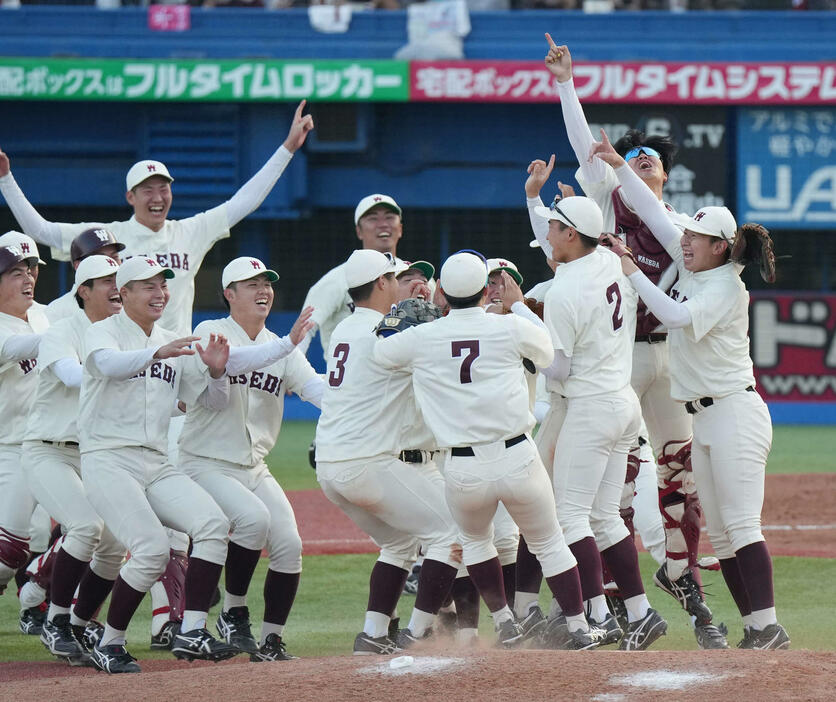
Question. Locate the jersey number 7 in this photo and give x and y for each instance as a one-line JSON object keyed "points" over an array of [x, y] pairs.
{"points": [[458, 347]]}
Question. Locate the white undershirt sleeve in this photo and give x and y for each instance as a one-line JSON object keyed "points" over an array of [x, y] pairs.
{"points": [[559, 369], [245, 359], [68, 371], [20, 347], [673, 314], [539, 225], [312, 391], [580, 136], [30, 221], [216, 394], [522, 310], [252, 193], [121, 365]]}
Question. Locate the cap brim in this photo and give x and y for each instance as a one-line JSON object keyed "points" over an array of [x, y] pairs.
{"points": [[534, 244], [272, 276], [693, 226], [510, 271], [424, 266], [393, 208]]}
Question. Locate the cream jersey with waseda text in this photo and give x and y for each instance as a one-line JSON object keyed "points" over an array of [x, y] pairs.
{"points": [[590, 311], [467, 373], [246, 430], [366, 410], [181, 244], [133, 412], [55, 409], [710, 357], [18, 378]]}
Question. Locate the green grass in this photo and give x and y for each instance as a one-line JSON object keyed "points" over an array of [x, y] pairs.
{"points": [[332, 599]]}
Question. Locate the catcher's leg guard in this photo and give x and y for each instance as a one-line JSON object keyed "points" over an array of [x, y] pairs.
{"points": [[676, 483], [168, 594]]}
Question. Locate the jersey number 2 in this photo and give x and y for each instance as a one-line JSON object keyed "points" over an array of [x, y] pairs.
{"points": [[335, 377], [614, 295], [458, 348]]}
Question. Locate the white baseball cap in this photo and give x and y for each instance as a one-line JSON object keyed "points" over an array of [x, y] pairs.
{"points": [[503, 264], [140, 268], [577, 211], [92, 267], [463, 275], [426, 268], [244, 268], [373, 201], [713, 221], [25, 243], [366, 265], [143, 170]]}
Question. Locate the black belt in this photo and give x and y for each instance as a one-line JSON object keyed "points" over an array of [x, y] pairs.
{"points": [[60, 443], [414, 456], [652, 338], [468, 451], [703, 402]]}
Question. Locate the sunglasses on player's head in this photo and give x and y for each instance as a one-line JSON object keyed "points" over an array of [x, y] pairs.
{"points": [[555, 207], [632, 153]]}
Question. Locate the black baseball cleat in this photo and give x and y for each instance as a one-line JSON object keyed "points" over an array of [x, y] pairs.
{"points": [[533, 623], [685, 591], [273, 649], [60, 640], [162, 641], [234, 627], [114, 659], [32, 620], [771, 638], [199, 644], [557, 636], [610, 628], [509, 634], [365, 645], [615, 603], [710, 636], [406, 639], [640, 634]]}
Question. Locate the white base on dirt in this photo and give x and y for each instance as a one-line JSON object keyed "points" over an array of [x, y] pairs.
{"points": [[418, 665], [664, 679]]}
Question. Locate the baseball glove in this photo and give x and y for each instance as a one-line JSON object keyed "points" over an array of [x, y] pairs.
{"points": [[753, 245], [408, 313], [534, 305]]}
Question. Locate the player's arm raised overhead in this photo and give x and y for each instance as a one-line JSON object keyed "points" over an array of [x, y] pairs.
{"points": [[252, 193], [27, 217]]}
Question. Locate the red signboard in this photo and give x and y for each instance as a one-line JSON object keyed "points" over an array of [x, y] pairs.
{"points": [[793, 346], [656, 82], [169, 18]]}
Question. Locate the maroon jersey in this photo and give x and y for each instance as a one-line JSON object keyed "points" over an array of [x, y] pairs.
{"points": [[650, 255]]}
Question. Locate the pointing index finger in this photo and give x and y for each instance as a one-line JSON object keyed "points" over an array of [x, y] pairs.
{"points": [[549, 39]]}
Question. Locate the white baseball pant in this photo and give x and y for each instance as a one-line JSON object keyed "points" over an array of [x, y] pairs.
{"points": [[16, 505], [732, 439], [257, 508], [53, 473], [399, 505], [136, 492], [516, 477]]}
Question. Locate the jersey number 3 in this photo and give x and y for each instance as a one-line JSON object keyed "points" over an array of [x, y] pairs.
{"points": [[335, 377], [614, 295], [473, 347]]}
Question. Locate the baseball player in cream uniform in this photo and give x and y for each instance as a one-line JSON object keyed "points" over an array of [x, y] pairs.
{"points": [[378, 225], [20, 336], [711, 375], [669, 426], [590, 311], [459, 365], [224, 450], [130, 384], [52, 464], [390, 489]]}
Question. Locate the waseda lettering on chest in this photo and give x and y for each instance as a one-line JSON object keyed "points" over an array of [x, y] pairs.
{"points": [[258, 380], [674, 293], [159, 371], [28, 365], [175, 261]]}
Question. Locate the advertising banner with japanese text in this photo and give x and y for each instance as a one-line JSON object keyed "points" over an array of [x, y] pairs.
{"points": [[786, 174], [202, 80], [658, 82], [793, 346]]}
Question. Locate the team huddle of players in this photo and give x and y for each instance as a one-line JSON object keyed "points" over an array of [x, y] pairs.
{"points": [[137, 434]]}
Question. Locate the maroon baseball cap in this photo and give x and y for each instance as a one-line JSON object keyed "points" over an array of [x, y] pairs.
{"points": [[10, 256]]}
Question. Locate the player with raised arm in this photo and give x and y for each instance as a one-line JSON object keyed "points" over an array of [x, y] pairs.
{"points": [[707, 312], [223, 451], [669, 426]]}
